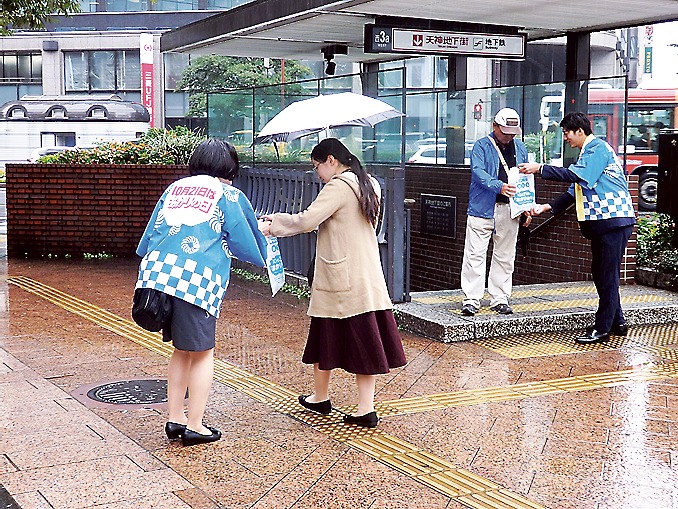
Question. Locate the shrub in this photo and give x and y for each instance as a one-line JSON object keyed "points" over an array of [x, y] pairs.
{"points": [[111, 153], [179, 142], [654, 250], [156, 146]]}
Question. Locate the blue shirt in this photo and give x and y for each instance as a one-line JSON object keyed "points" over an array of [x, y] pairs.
{"points": [[485, 183], [196, 227]]}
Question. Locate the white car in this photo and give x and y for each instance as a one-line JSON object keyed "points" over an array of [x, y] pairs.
{"points": [[45, 151], [436, 154], [430, 154]]}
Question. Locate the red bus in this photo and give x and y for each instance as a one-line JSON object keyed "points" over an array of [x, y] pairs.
{"points": [[649, 111]]}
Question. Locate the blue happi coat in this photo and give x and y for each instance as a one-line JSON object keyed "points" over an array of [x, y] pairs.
{"points": [[196, 227]]}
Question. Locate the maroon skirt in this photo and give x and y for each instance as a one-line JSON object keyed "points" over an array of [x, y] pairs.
{"points": [[365, 344]]}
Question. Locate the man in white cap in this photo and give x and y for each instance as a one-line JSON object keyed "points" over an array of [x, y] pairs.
{"points": [[489, 216]]}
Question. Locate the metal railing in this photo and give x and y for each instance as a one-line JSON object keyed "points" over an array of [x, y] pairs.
{"points": [[291, 190]]}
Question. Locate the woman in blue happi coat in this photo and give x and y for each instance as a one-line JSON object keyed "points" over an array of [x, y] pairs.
{"points": [[198, 224]]}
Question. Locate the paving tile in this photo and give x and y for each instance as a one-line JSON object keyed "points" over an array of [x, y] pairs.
{"points": [[100, 481], [197, 499], [581, 448], [160, 501], [364, 487], [32, 500], [6, 465]]}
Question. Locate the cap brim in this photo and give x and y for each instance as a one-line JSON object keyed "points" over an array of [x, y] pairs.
{"points": [[509, 130]]}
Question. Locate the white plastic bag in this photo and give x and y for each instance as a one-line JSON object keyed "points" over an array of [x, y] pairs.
{"points": [[274, 265], [525, 197]]}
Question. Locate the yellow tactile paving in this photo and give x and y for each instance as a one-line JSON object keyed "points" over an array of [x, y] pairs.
{"points": [[546, 305], [538, 345], [570, 290], [404, 457], [569, 304], [519, 391], [651, 339]]}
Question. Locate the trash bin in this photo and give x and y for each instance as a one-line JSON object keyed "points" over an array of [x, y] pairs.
{"points": [[667, 184]]}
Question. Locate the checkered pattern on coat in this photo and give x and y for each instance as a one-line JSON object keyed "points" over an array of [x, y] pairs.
{"points": [[204, 289], [607, 206]]}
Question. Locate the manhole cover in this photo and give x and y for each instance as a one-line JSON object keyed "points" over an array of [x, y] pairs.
{"points": [[130, 392]]}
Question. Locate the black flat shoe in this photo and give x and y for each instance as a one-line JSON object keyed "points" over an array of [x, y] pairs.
{"points": [[368, 420], [191, 437], [322, 407], [617, 330], [593, 336], [620, 330], [174, 430]]}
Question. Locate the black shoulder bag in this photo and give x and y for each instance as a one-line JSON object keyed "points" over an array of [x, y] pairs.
{"points": [[151, 309]]}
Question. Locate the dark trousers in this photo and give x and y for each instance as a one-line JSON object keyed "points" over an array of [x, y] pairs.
{"points": [[608, 251]]}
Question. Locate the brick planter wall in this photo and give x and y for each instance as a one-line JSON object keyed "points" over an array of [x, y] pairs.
{"points": [[559, 254], [59, 209], [71, 210]]}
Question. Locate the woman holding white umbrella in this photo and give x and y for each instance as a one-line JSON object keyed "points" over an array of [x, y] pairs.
{"points": [[352, 324]]}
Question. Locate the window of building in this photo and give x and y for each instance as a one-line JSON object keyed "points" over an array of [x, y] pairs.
{"points": [[102, 71], [17, 112], [57, 112], [174, 5], [158, 5], [97, 112], [125, 5], [175, 63], [21, 67]]}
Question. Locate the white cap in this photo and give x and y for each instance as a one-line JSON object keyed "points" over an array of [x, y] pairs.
{"points": [[508, 121]]}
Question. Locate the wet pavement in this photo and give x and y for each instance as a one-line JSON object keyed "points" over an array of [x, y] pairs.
{"points": [[510, 421]]}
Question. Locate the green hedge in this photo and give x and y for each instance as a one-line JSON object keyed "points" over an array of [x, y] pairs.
{"points": [[654, 250], [156, 146]]}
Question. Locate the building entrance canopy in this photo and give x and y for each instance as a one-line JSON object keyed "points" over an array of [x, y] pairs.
{"points": [[299, 29]]}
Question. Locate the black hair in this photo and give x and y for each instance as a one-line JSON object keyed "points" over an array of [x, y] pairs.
{"points": [[575, 121], [216, 158], [369, 202]]}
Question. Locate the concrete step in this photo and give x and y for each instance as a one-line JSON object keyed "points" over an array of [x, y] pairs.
{"points": [[536, 308]]}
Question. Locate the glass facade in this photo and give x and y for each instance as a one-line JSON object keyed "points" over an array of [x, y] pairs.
{"points": [[440, 126], [157, 5]]}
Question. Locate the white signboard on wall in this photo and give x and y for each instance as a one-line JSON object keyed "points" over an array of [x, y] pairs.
{"points": [[438, 42]]}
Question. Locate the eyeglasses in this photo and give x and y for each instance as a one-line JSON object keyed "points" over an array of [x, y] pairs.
{"points": [[314, 168]]}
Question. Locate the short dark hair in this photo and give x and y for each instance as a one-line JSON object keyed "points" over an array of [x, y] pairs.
{"points": [[577, 120], [216, 158]]}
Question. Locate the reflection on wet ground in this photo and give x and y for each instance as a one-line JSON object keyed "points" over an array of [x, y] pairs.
{"points": [[519, 421]]}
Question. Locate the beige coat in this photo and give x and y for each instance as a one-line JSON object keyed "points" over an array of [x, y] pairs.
{"points": [[348, 276]]}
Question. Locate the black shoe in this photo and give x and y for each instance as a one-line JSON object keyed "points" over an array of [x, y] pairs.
{"points": [[368, 420], [174, 431], [502, 309], [620, 330], [593, 336], [616, 330], [191, 437], [322, 407], [468, 310]]}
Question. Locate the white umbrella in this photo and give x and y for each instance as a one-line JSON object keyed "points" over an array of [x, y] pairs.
{"points": [[323, 112]]}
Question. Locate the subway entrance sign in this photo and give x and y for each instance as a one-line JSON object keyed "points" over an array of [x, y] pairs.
{"points": [[384, 39]]}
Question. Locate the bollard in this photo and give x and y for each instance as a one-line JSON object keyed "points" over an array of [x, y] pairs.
{"points": [[409, 203]]}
